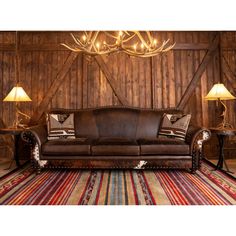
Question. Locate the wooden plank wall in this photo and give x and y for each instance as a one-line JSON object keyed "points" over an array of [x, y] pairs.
{"points": [[157, 82]]}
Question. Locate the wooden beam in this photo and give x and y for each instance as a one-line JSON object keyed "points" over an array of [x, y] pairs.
{"points": [[226, 68], [111, 80], [196, 77], [228, 72], [58, 47], [7, 47], [229, 45], [53, 88], [191, 46], [42, 47]]}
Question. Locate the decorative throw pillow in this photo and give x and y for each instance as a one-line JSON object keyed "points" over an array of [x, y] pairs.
{"points": [[60, 126], [174, 126]]}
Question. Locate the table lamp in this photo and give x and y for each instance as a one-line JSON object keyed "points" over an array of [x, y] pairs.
{"points": [[219, 92], [17, 94]]}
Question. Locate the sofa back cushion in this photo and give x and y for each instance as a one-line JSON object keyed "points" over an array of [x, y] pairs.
{"points": [[121, 122], [117, 122], [85, 124], [148, 124]]}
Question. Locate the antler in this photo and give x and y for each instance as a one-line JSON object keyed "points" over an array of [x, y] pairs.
{"points": [[146, 46]]}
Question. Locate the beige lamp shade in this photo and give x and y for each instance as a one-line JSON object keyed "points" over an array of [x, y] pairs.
{"points": [[219, 91], [17, 94]]}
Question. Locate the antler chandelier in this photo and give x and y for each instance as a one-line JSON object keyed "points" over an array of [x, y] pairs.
{"points": [[133, 43]]}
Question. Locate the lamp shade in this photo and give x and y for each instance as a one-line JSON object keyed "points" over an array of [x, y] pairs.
{"points": [[219, 91], [17, 94]]}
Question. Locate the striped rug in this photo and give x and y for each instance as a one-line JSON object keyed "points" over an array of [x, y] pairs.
{"points": [[117, 187]]}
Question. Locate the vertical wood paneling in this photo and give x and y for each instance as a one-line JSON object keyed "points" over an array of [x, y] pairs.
{"points": [[158, 82], [86, 86]]}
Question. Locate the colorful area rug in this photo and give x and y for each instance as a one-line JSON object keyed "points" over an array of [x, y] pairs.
{"points": [[117, 187]]}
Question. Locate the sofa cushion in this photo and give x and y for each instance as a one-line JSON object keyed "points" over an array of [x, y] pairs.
{"points": [[78, 146], [120, 150], [85, 124], [115, 141], [163, 146], [118, 122], [174, 126], [60, 125]]}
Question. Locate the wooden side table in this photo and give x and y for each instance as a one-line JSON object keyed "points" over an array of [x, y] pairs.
{"points": [[221, 134], [16, 132]]}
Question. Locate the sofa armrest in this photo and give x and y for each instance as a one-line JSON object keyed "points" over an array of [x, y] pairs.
{"points": [[35, 134], [196, 136]]}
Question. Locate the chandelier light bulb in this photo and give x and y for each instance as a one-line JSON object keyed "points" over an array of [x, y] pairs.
{"points": [[84, 38], [98, 45]]}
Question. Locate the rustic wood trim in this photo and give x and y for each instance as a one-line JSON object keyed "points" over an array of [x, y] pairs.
{"points": [[196, 77], [111, 80], [54, 87]]}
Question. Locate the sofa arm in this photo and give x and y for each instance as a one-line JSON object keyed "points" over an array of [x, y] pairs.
{"points": [[196, 136], [36, 136]]}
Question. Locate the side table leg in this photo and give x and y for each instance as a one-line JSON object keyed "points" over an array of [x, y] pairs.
{"points": [[221, 154], [221, 162], [16, 153]]}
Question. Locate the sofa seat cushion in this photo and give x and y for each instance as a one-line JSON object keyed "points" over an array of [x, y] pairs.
{"points": [[78, 146], [115, 146], [163, 146], [120, 150], [115, 141]]}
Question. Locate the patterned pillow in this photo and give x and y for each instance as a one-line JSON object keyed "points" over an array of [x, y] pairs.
{"points": [[174, 126], [60, 126]]}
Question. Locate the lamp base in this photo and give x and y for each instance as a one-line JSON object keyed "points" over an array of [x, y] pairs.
{"points": [[223, 125], [17, 122]]}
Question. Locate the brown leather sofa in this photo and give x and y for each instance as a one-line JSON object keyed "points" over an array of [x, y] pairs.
{"points": [[117, 137]]}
